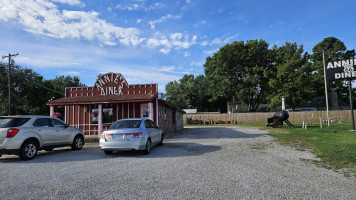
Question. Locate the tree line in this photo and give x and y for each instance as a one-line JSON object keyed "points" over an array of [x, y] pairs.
{"points": [[30, 91], [252, 73]]}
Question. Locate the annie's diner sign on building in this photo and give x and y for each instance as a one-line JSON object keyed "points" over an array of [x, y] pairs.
{"points": [[342, 69], [111, 84]]}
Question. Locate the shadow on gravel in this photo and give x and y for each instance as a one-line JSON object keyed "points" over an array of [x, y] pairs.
{"points": [[58, 155], [171, 150], [168, 150], [217, 133]]}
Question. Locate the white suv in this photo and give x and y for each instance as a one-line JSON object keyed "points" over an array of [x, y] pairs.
{"points": [[25, 135]]}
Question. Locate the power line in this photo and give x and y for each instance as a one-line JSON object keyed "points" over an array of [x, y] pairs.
{"points": [[28, 79]]}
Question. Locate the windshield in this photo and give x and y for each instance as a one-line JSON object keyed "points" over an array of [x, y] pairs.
{"points": [[6, 122], [126, 124]]}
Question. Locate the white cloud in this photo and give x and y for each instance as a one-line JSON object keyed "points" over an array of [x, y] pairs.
{"points": [[211, 52], [140, 6], [138, 21], [228, 39], [200, 23], [44, 18], [171, 69], [198, 64], [155, 6], [165, 68], [186, 54], [129, 7], [69, 73], [165, 50], [70, 2], [162, 19], [216, 41], [188, 1], [204, 43], [175, 40]]}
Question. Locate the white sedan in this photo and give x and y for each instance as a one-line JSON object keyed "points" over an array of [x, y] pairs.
{"points": [[131, 134]]}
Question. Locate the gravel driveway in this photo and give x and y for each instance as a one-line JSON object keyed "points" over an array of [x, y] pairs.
{"points": [[195, 163]]}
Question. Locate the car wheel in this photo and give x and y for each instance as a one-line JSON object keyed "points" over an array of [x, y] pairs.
{"points": [[78, 143], [108, 152], [148, 147], [28, 150], [162, 138]]}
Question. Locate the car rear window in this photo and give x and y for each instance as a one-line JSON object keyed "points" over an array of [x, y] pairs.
{"points": [[126, 124], [7, 122]]}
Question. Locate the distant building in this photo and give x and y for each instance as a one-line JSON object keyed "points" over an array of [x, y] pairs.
{"points": [[319, 104], [237, 107], [190, 111]]}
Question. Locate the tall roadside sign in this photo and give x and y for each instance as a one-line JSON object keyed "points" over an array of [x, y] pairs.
{"points": [[343, 70]]}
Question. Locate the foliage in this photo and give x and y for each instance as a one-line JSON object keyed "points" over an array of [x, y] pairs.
{"points": [[188, 92], [292, 78], [30, 91], [239, 69], [334, 50]]}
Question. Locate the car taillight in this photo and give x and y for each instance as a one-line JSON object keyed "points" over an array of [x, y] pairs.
{"points": [[134, 135], [12, 132]]}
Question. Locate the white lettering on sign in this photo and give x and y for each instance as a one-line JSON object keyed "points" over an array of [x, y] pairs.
{"points": [[101, 82], [345, 75], [341, 63]]}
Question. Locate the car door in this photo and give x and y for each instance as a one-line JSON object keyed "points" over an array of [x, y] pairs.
{"points": [[45, 129], [63, 133], [149, 129], [154, 132]]}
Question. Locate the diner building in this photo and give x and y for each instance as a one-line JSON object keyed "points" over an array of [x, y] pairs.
{"points": [[93, 109]]}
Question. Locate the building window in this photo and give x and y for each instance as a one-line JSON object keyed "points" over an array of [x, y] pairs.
{"points": [[107, 115], [94, 116]]}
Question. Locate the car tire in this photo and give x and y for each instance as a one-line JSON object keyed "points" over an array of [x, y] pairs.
{"points": [[108, 152], [162, 138], [148, 147], [28, 150], [78, 142]]}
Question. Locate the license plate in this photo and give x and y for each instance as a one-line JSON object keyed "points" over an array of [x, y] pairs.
{"points": [[114, 136]]}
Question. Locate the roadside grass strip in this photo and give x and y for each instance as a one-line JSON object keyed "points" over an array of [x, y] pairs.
{"points": [[335, 145]]}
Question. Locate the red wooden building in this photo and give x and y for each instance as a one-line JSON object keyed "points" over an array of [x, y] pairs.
{"points": [[93, 109]]}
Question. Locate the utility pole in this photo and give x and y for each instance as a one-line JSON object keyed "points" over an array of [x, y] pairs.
{"points": [[326, 90], [9, 76]]}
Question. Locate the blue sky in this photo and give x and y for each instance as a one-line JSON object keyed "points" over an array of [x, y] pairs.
{"points": [[158, 41]]}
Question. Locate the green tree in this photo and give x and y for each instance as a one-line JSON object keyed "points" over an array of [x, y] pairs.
{"points": [[334, 50], [30, 91], [185, 92], [293, 77], [239, 69]]}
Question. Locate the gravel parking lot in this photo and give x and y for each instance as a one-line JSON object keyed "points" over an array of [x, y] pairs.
{"points": [[195, 163]]}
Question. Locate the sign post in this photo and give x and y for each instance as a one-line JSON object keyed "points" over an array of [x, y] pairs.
{"points": [[352, 109], [343, 70]]}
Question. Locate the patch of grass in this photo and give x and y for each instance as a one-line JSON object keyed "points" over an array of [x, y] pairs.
{"points": [[260, 146], [334, 145]]}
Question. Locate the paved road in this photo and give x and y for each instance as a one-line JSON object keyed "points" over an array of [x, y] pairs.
{"points": [[196, 163]]}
